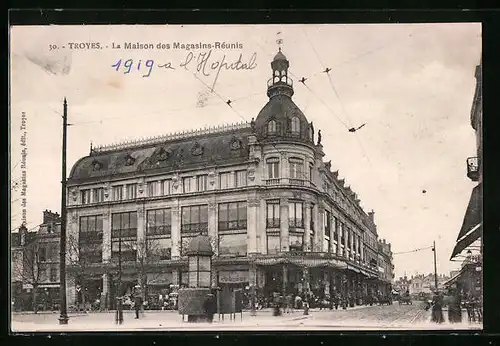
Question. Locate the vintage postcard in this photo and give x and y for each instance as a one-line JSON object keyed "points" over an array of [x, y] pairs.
{"points": [[246, 177]]}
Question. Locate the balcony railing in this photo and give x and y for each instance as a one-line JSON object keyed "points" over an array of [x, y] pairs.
{"points": [[232, 225], [273, 223], [473, 168], [288, 181], [295, 223], [274, 181]]}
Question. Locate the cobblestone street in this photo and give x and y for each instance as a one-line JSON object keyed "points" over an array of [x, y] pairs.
{"points": [[385, 317]]}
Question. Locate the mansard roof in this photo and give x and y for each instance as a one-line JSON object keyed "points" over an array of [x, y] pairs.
{"points": [[180, 151]]}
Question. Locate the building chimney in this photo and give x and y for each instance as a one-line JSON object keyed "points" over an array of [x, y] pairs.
{"points": [[371, 215]]}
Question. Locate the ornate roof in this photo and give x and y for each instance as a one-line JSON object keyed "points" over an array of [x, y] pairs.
{"points": [[220, 145], [282, 109]]}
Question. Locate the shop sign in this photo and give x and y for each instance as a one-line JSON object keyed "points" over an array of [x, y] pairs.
{"points": [[233, 276]]}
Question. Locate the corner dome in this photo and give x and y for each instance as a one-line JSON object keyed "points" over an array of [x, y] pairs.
{"points": [[280, 56], [282, 118], [200, 245]]}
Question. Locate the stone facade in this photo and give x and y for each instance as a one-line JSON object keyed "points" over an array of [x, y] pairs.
{"points": [[260, 190]]}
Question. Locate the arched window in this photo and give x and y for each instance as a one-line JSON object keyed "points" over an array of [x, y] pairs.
{"points": [[271, 126], [295, 125], [310, 133]]}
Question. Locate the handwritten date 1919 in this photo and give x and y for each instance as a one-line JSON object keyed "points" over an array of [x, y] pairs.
{"points": [[129, 66]]}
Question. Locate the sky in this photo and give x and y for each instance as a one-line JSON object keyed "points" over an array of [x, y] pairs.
{"points": [[411, 84]]}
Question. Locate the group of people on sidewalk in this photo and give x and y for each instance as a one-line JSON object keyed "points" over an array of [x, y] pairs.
{"points": [[454, 304]]}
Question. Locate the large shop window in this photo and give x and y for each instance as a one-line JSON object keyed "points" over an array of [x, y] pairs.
{"points": [[90, 231], [159, 222], [124, 225], [273, 214], [273, 244], [296, 215], [273, 167], [194, 219], [296, 242], [232, 216], [128, 250], [296, 168], [158, 249], [186, 240], [234, 245]]}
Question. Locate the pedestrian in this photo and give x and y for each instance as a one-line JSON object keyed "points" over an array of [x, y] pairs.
{"points": [[454, 307], [137, 300], [210, 307], [437, 308]]}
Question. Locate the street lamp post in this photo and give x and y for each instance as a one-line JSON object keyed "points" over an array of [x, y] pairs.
{"points": [[63, 318], [435, 266], [119, 307]]}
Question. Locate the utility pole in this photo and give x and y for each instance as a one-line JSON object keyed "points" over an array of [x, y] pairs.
{"points": [[63, 318], [435, 266], [119, 306]]}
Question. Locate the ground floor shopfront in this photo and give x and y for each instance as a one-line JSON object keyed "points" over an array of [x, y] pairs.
{"points": [[268, 274]]}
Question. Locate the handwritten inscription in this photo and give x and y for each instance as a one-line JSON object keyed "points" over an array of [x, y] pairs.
{"points": [[204, 63]]}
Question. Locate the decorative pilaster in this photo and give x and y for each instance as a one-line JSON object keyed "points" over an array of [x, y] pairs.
{"points": [[175, 277], [106, 237], [253, 206], [262, 227], [284, 230], [176, 232], [141, 232], [307, 227], [321, 230], [318, 242], [338, 228], [212, 224], [214, 277], [285, 167], [346, 245]]}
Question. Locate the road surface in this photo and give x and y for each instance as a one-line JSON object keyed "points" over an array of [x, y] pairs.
{"points": [[393, 317]]}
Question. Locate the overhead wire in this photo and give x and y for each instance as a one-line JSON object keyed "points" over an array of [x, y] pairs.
{"points": [[415, 250]]}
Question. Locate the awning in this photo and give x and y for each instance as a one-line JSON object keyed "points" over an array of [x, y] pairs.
{"points": [[467, 240], [302, 262], [473, 214]]}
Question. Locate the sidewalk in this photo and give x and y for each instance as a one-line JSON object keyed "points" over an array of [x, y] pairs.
{"points": [[155, 322]]}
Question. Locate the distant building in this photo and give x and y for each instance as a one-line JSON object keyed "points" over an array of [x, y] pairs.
{"points": [[385, 266], [421, 283], [35, 264]]}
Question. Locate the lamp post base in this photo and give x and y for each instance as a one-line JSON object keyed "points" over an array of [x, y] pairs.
{"points": [[63, 319]]}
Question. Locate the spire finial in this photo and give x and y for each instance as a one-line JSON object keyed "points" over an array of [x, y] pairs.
{"points": [[91, 148], [279, 41]]}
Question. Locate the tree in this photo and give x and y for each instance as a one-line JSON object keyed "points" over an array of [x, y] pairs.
{"points": [[82, 256], [28, 266]]}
